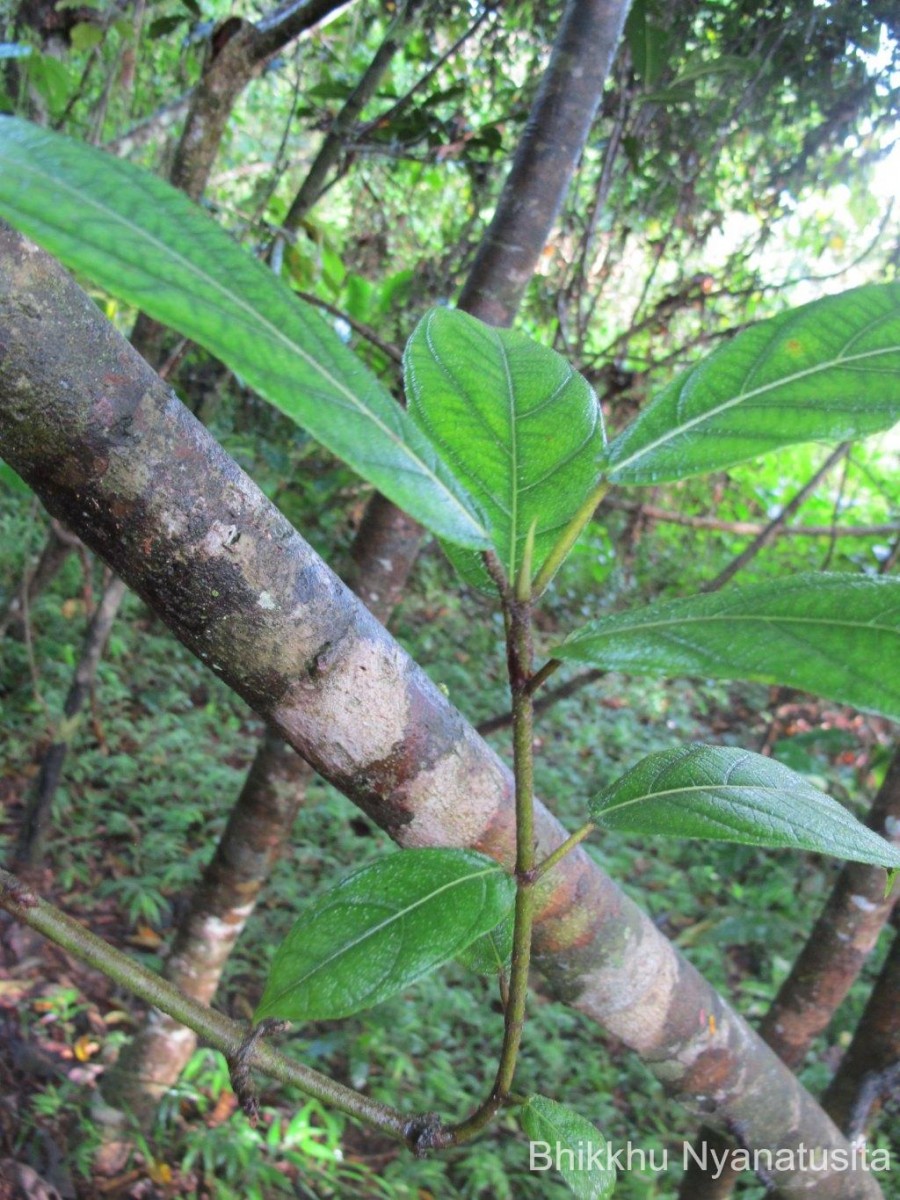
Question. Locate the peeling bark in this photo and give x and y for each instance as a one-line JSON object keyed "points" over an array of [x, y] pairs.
{"points": [[110, 450]]}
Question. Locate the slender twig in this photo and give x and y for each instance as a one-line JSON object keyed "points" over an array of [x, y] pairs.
{"points": [[520, 655], [771, 531], [747, 528], [393, 352], [213, 1027]]}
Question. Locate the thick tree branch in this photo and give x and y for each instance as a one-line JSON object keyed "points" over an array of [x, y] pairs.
{"points": [[110, 449], [236, 59]]}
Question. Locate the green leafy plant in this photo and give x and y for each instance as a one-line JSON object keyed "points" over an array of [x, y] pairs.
{"points": [[502, 454]]}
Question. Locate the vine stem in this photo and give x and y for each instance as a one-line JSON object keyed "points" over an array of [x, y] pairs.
{"points": [[213, 1027]]}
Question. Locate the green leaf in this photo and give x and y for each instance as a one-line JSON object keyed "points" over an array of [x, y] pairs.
{"points": [[381, 929], [12, 480], [85, 36], [829, 371], [519, 428], [730, 795], [491, 953], [144, 241], [836, 635], [563, 1139]]}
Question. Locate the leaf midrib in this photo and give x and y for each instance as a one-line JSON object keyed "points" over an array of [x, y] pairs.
{"points": [[741, 398], [749, 617], [371, 931]]}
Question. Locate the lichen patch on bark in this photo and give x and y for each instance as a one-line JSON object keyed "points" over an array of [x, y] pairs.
{"points": [[362, 722], [454, 801], [635, 996]]}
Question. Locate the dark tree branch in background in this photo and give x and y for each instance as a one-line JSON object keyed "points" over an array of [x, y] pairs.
{"points": [[869, 1074], [57, 548], [394, 353], [237, 60], [144, 484], [558, 125], [744, 528], [36, 820], [768, 535], [344, 123], [387, 116]]}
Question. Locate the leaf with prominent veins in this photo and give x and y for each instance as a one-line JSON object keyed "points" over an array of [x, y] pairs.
{"points": [[836, 635], [828, 371], [381, 929], [731, 795], [145, 242], [518, 427]]}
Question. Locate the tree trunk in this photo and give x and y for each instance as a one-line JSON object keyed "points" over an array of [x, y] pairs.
{"points": [[130, 470], [869, 1073]]}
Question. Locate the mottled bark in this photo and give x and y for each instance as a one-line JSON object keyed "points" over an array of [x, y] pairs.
{"points": [[546, 157], [869, 1073], [116, 455], [835, 952], [57, 549], [36, 820]]}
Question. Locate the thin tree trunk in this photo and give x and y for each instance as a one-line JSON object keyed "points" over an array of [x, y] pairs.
{"points": [[545, 159], [57, 548], [382, 554], [869, 1073], [345, 122], [835, 952], [36, 820], [161, 503]]}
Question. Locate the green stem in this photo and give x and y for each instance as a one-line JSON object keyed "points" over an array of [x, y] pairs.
{"points": [[568, 538], [561, 851], [540, 677], [214, 1028], [520, 656]]}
